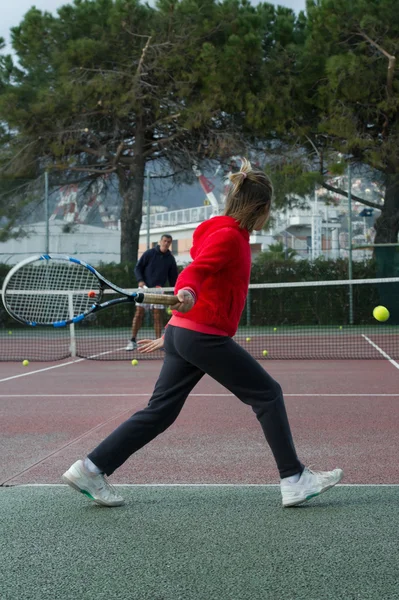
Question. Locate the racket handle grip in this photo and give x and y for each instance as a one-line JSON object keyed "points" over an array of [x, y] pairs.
{"points": [[164, 299]]}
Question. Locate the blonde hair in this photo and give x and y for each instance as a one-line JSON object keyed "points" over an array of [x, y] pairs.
{"points": [[249, 197]]}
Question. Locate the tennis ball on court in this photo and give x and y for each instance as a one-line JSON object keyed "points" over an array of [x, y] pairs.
{"points": [[25, 363], [135, 362], [10, 333], [91, 294], [275, 329], [381, 313], [248, 339], [265, 353]]}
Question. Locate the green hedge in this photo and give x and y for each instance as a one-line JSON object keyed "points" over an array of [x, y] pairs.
{"points": [[327, 306], [265, 270], [318, 305]]}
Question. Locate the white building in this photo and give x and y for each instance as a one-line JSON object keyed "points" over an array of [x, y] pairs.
{"points": [[92, 244], [98, 244], [180, 224], [296, 228]]}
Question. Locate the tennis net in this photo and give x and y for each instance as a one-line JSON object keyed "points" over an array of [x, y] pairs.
{"points": [[306, 320]]}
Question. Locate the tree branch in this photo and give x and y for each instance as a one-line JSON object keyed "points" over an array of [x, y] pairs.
{"points": [[119, 151], [142, 57], [126, 160], [331, 188], [13, 158], [313, 145], [391, 61], [97, 153], [163, 120], [87, 169]]}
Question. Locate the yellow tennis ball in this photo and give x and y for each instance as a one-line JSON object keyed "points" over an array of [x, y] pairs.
{"points": [[10, 333], [25, 363], [135, 362], [381, 313], [248, 339], [265, 353], [340, 326], [275, 329]]}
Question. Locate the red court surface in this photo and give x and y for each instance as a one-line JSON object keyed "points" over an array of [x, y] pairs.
{"points": [[342, 413]]}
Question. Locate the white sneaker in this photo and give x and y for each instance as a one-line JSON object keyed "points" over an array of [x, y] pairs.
{"points": [[94, 486], [131, 346], [310, 484]]}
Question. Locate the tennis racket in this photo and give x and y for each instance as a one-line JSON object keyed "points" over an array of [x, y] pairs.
{"points": [[58, 290]]}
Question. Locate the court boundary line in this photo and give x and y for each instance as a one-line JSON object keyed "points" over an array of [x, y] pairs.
{"points": [[183, 485], [381, 351], [138, 395], [71, 362], [70, 443], [78, 360]]}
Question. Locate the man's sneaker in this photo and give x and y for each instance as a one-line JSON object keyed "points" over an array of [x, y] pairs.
{"points": [[131, 346], [310, 484], [94, 486]]}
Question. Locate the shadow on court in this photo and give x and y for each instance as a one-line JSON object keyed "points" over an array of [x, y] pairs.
{"points": [[199, 543]]}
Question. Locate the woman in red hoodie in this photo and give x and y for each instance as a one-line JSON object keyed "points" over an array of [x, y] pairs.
{"points": [[199, 339]]}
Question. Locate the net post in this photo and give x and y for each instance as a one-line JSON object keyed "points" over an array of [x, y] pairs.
{"points": [[148, 181], [47, 214], [248, 310], [350, 265], [72, 337]]}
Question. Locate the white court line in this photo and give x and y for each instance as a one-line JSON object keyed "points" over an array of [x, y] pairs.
{"points": [[71, 362], [70, 443], [205, 485], [117, 395], [384, 354]]}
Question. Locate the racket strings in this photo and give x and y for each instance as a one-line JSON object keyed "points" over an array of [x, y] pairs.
{"points": [[40, 292]]}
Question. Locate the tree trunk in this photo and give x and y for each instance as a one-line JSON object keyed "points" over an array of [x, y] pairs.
{"points": [[131, 187], [387, 224]]}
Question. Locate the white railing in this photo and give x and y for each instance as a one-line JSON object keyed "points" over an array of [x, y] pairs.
{"points": [[202, 213], [178, 217], [298, 216]]}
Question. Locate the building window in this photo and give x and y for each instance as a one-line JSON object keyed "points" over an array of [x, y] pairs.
{"points": [[175, 247]]}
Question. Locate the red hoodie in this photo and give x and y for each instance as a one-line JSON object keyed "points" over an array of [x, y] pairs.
{"points": [[218, 276]]}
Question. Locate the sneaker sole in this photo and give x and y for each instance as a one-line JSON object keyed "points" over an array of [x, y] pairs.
{"points": [[298, 502], [98, 501]]}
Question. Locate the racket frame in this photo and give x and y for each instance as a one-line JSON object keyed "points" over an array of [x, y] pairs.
{"points": [[128, 297]]}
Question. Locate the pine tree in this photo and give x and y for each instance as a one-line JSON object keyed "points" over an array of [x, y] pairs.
{"points": [[111, 86], [338, 98]]}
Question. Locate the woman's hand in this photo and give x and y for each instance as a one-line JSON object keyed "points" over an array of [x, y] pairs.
{"points": [[147, 346], [186, 301]]}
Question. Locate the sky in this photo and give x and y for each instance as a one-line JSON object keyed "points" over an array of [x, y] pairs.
{"points": [[12, 11]]}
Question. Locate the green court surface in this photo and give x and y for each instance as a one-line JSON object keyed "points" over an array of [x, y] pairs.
{"points": [[199, 543]]}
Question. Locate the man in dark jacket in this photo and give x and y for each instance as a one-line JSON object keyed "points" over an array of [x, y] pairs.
{"points": [[155, 267]]}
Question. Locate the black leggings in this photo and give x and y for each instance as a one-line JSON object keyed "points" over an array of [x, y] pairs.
{"points": [[188, 356]]}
